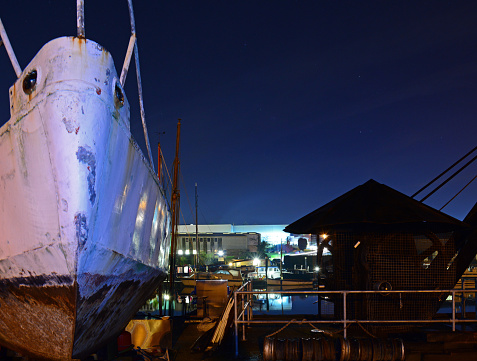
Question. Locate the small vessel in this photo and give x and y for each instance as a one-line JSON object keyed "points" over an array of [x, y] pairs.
{"points": [[84, 224], [233, 277]]}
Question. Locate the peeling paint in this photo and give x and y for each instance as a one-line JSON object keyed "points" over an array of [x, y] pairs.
{"points": [[87, 157], [64, 205], [69, 125], [81, 229], [109, 304]]}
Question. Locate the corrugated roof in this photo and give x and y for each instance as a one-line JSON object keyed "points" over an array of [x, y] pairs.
{"points": [[374, 205]]}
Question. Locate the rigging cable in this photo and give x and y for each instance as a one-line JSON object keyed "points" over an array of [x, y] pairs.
{"points": [[457, 194], [440, 175], [448, 179], [168, 176]]}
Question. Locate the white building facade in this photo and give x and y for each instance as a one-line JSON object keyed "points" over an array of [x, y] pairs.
{"points": [[233, 239]]}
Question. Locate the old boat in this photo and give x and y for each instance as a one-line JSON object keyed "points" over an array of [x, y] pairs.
{"points": [[84, 224], [232, 276]]}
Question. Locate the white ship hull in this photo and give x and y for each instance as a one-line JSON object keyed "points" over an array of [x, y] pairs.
{"points": [[84, 225]]}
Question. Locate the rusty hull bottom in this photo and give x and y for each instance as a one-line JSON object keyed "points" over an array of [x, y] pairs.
{"points": [[108, 303], [37, 315]]}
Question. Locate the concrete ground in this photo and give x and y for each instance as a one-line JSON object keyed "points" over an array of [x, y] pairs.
{"points": [[429, 345]]}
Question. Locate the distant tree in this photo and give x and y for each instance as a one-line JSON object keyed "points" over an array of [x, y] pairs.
{"points": [[262, 248], [261, 251], [302, 242], [244, 254], [183, 260], [206, 259]]}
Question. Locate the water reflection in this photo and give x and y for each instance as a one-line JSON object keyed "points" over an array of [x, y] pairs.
{"points": [[286, 304]]}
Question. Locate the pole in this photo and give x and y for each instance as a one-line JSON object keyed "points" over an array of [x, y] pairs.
{"points": [[80, 19], [196, 258], [11, 54], [174, 217], [281, 261]]}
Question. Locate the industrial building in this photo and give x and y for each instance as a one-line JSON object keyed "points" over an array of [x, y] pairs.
{"points": [[236, 239]]}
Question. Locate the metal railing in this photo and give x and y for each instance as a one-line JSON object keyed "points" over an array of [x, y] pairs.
{"points": [[245, 316]]}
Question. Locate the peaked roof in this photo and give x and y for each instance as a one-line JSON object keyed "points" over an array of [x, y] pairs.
{"points": [[373, 205]]}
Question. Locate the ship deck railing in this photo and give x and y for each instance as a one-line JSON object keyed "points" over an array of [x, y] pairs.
{"points": [[243, 315]]}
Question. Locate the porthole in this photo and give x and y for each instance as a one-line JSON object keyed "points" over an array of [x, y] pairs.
{"points": [[118, 95], [29, 82]]}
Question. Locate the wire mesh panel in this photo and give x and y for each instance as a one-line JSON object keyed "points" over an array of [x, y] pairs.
{"points": [[390, 261]]}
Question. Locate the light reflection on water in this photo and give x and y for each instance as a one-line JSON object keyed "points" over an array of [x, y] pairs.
{"points": [[286, 304]]}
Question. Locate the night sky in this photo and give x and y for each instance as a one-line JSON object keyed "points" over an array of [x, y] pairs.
{"points": [[286, 105]]}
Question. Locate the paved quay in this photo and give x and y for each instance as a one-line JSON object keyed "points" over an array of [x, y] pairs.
{"points": [[436, 345]]}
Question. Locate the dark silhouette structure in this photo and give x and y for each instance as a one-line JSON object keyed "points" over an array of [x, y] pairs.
{"points": [[382, 239]]}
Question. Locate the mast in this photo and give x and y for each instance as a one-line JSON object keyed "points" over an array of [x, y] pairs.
{"points": [[174, 217], [196, 258]]}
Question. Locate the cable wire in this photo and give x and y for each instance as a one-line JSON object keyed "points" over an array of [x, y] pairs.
{"points": [[444, 172], [457, 193]]}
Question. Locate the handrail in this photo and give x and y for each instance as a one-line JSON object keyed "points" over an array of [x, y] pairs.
{"points": [[345, 321]]}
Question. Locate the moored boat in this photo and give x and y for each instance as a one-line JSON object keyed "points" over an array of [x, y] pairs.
{"points": [[233, 277], [84, 224]]}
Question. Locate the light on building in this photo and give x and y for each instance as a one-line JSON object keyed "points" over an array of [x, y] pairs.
{"points": [[220, 253], [187, 252], [324, 236], [194, 252], [230, 264], [317, 269], [180, 252], [256, 261]]}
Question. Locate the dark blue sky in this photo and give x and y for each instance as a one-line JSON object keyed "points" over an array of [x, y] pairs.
{"points": [[286, 105]]}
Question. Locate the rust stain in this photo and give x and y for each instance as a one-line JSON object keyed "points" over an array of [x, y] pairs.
{"points": [[109, 305], [38, 308]]}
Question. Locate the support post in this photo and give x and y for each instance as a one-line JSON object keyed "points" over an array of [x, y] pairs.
{"points": [[80, 19], [236, 324], [8, 47], [344, 315]]}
